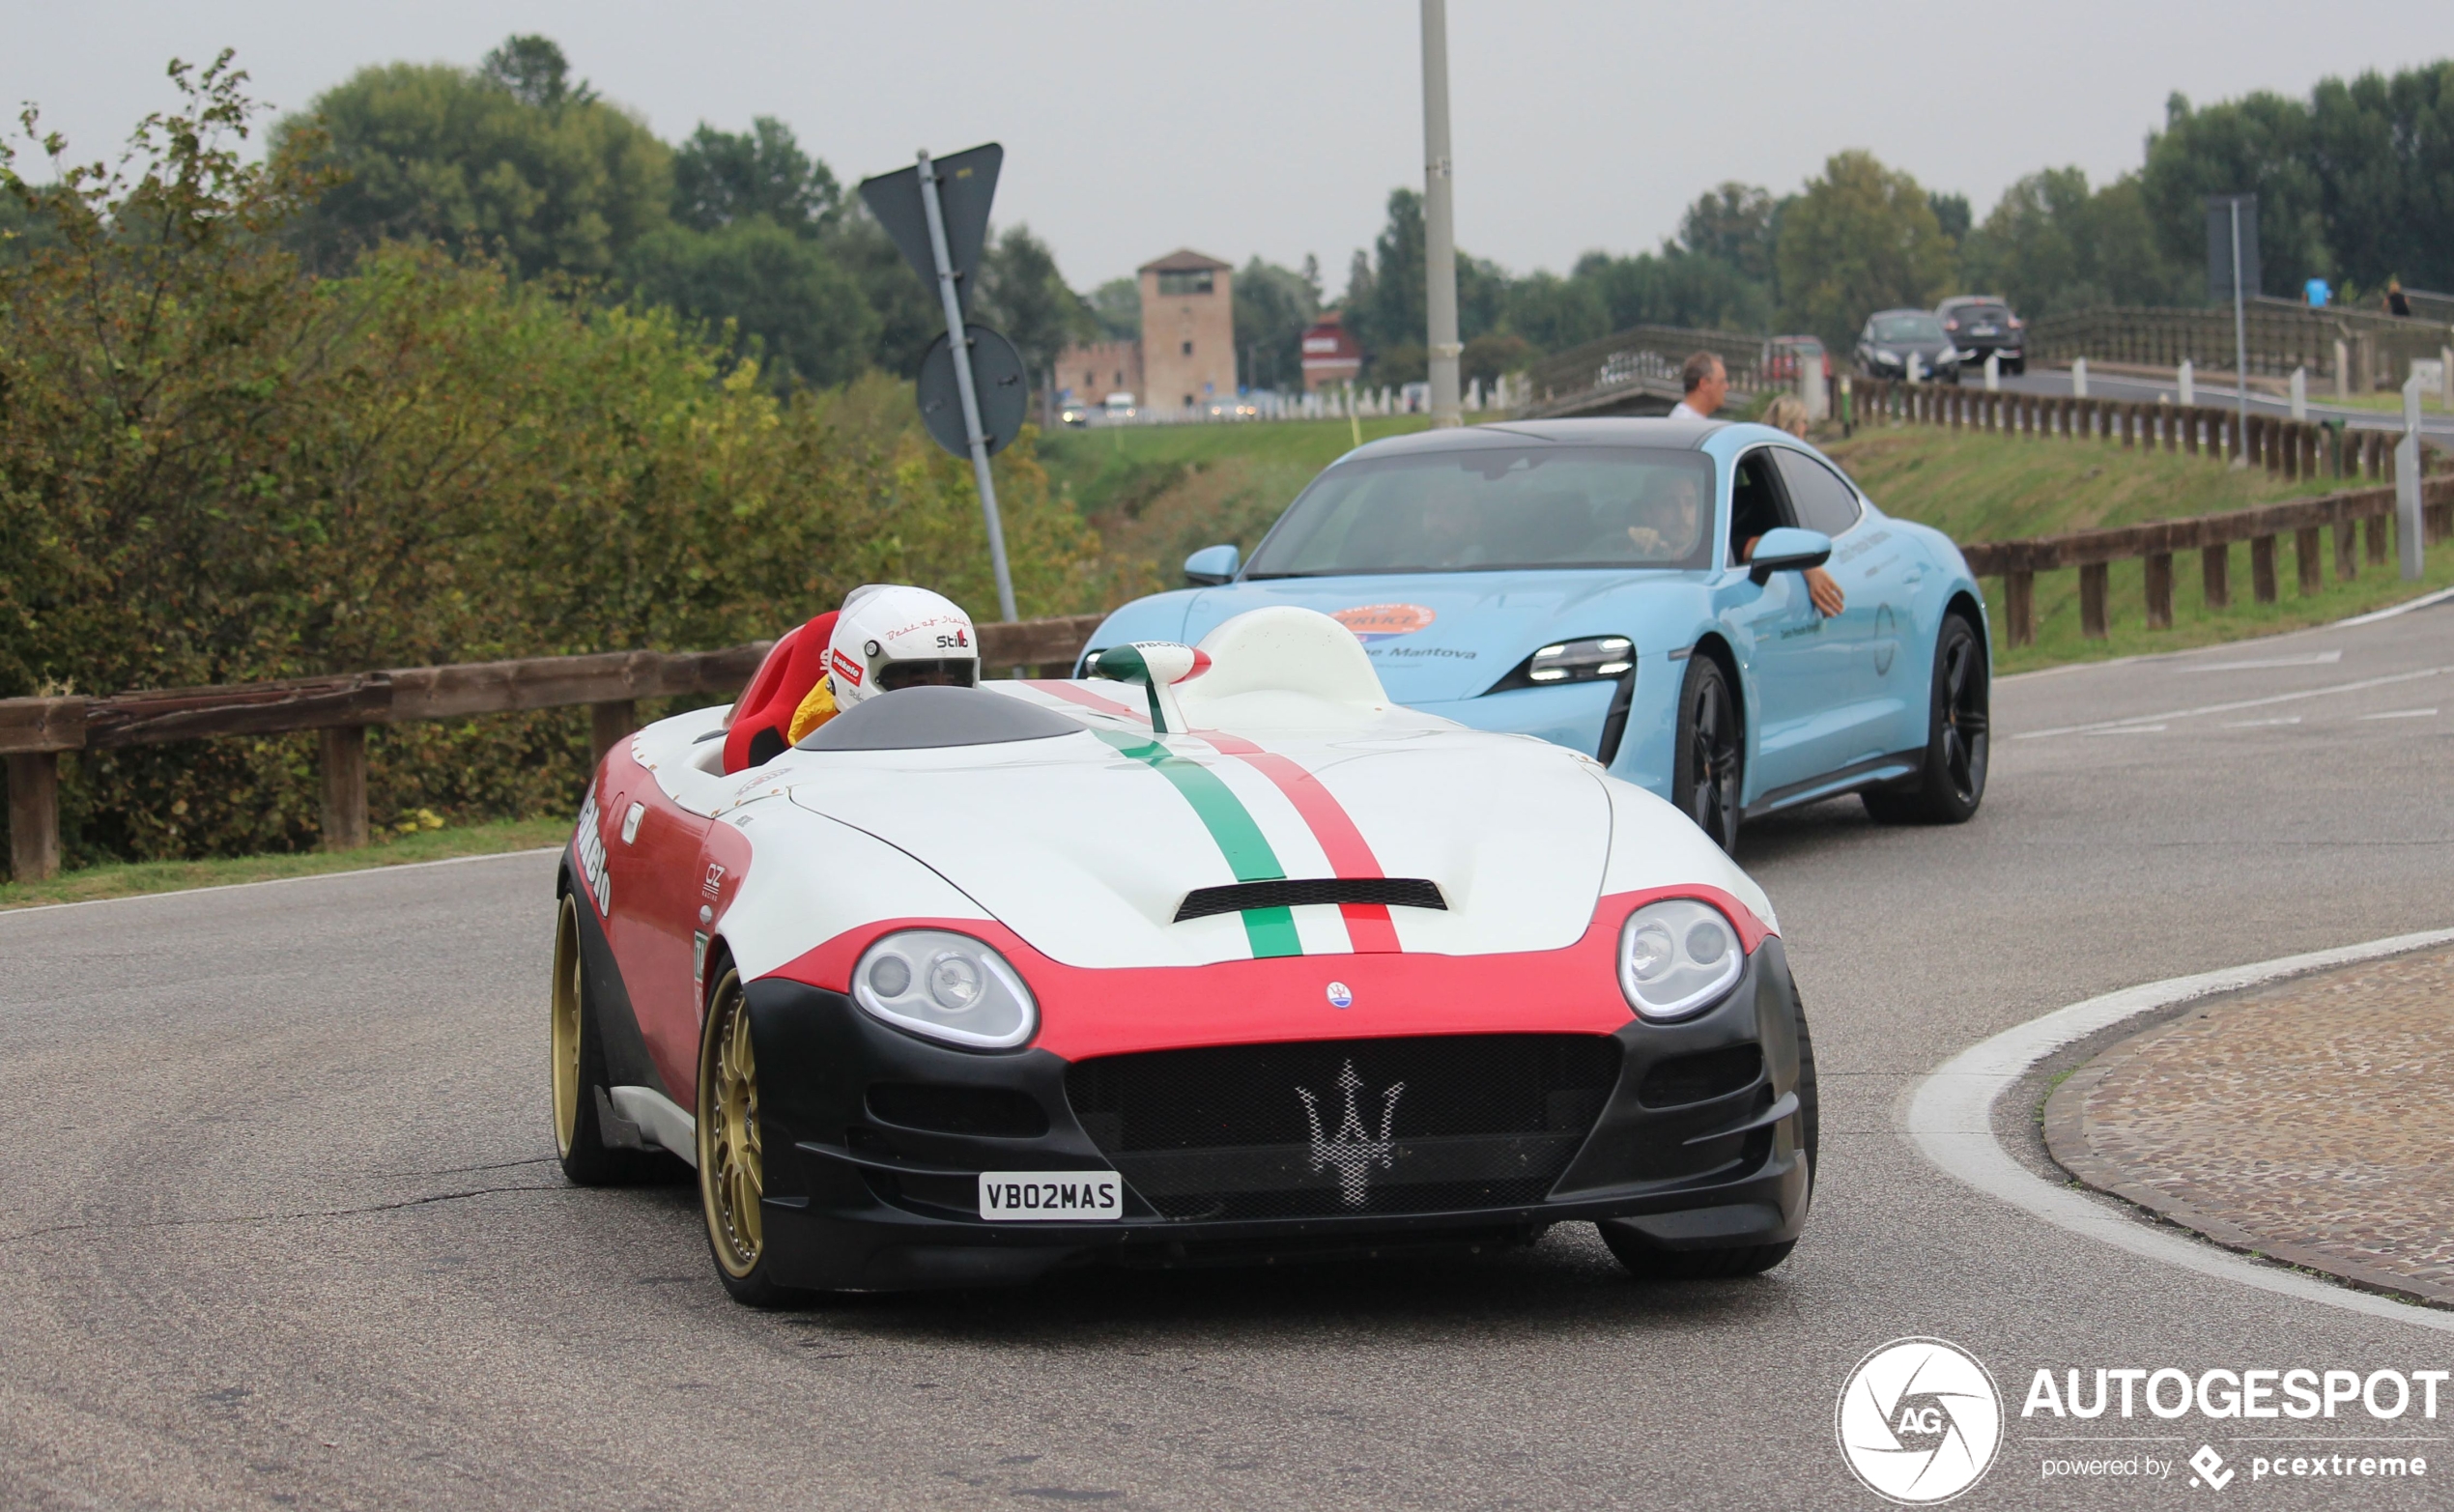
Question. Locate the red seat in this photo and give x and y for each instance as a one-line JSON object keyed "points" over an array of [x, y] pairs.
{"points": [[763, 717]]}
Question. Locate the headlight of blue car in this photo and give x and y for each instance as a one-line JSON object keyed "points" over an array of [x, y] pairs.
{"points": [[1677, 956], [1592, 659], [946, 986]]}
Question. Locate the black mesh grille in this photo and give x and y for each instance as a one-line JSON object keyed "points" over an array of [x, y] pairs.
{"points": [[1438, 1125], [1402, 892]]}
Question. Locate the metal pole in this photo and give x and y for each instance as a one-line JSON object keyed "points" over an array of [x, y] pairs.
{"points": [[2408, 517], [2240, 345], [972, 431], [1440, 220]]}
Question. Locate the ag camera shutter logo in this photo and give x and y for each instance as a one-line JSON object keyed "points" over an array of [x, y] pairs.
{"points": [[1919, 1422]]}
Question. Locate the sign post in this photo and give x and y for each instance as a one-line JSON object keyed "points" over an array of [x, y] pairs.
{"points": [[2232, 264], [2406, 485], [1440, 222], [945, 248]]}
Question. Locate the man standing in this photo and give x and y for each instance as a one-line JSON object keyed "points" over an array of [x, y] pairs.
{"points": [[1707, 384]]}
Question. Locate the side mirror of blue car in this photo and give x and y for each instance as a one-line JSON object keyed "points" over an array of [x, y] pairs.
{"points": [[1213, 565], [1787, 549]]}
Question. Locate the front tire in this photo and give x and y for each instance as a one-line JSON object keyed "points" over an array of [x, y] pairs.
{"points": [[1710, 759], [1646, 1262], [577, 1049], [731, 1161], [1952, 782]]}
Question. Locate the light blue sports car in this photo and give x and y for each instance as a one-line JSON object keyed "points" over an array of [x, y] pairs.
{"points": [[1637, 588]]}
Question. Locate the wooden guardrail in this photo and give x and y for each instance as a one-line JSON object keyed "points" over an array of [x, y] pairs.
{"points": [[34, 732], [2213, 536], [2286, 448]]}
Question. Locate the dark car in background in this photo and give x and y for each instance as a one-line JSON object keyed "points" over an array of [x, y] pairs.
{"points": [[1892, 336], [1982, 324]]}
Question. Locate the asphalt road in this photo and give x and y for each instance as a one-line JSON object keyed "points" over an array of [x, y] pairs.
{"points": [[2435, 422], [278, 1223]]}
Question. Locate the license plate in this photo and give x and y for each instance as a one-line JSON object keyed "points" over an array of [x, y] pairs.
{"points": [[1044, 1196], [1986, 330]]}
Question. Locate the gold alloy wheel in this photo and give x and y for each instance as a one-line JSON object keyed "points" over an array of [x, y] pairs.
{"points": [[731, 1177], [566, 1026]]}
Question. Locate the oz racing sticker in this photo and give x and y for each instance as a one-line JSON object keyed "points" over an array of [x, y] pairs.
{"points": [[590, 841]]}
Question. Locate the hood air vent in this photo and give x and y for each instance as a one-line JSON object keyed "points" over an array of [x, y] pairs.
{"points": [[1399, 892]]}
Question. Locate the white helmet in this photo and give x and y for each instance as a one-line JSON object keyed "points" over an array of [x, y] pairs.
{"points": [[891, 634]]}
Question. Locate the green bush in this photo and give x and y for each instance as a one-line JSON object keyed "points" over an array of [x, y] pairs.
{"points": [[216, 468]]}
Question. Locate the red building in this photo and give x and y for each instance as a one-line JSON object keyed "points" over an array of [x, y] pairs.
{"points": [[1330, 356]]}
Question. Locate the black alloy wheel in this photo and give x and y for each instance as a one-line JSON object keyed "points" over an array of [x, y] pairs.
{"points": [[1705, 771], [1952, 782]]}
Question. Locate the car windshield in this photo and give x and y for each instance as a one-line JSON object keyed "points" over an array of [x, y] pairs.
{"points": [[1482, 510], [1919, 326]]}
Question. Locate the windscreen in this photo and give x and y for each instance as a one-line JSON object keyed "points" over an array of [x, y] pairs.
{"points": [[1468, 511], [1907, 328]]}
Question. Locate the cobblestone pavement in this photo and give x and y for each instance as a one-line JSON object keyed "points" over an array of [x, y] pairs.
{"points": [[2310, 1122]]}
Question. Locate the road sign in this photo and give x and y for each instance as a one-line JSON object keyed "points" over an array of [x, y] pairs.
{"points": [[997, 376], [966, 182]]}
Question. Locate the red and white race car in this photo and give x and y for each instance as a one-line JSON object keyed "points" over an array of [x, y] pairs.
{"points": [[1221, 954]]}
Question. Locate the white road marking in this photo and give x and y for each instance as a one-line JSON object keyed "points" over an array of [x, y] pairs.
{"points": [[2132, 729], [2238, 704], [1949, 1115], [2261, 724], [2425, 601], [2312, 659], [2403, 714]]}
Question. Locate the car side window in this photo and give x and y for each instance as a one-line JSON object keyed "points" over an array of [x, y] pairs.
{"points": [[1757, 504], [1823, 501]]}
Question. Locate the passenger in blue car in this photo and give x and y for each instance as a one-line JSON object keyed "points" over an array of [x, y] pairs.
{"points": [[1788, 412]]}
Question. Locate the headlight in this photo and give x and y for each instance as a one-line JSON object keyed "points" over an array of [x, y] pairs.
{"points": [[1582, 660], [1881, 355], [1676, 956], [948, 987]]}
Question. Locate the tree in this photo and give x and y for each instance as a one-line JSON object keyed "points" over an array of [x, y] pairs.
{"points": [[1274, 306], [2261, 144], [1022, 294], [2051, 246], [1117, 305], [724, 177], [1391, 311], [510, 161], [794, 308], [1860, 238], [1554, 312], [1951, 214], [535, 71], [909, 314], [1732, 224], [2384, 153]]}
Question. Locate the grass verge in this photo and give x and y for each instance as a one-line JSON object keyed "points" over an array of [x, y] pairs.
{"points": [[132, 879]]}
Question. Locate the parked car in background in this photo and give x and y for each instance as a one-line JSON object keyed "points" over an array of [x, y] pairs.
{"points": [[1982, 324], [1120, 407], [1890, 337], [1784, 353]]}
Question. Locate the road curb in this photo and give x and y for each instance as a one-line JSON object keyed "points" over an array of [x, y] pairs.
{"points": [[1948, 1115]]}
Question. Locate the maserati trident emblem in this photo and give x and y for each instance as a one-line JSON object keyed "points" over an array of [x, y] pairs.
{"points": [[1350, 1151]]}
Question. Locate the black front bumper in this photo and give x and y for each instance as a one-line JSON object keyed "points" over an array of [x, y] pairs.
{"points": [[855, 1200]]}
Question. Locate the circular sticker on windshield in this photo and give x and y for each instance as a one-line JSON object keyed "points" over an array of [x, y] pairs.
{"points": [[1372, 622]]}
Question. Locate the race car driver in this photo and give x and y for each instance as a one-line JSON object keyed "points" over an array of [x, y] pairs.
{"points": [[889, 635]]}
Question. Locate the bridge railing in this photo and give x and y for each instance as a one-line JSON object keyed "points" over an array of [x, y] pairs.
{"points": [[2376, 350], [1645, 359]]}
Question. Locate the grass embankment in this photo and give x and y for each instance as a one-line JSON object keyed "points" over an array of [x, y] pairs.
{"points": [[1159, 493], [128, 880], [1992, 488]]}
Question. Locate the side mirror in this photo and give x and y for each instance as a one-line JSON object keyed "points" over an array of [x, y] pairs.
{"points": [[1212, 566], [1788, 550]]}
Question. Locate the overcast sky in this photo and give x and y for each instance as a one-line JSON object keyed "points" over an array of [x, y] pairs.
{"points": [[1257, 126]]}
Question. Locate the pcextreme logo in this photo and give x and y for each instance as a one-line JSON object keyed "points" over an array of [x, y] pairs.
{"points": [[1919, 1422]]}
